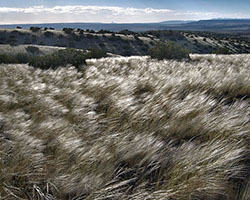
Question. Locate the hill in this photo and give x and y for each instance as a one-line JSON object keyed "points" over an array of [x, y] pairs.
{"points": [[124, 42]]}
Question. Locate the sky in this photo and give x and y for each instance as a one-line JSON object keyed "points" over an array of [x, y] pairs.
{"points": [[119, 11]]}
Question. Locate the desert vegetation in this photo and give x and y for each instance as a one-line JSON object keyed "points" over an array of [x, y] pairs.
{"points": [[127, 128], [169, 50], [62, 57]]}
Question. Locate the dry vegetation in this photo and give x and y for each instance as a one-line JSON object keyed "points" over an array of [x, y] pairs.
{"points": [[127, 128]]}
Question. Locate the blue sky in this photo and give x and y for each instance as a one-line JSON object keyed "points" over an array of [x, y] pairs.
{"points": [[120, 11]]}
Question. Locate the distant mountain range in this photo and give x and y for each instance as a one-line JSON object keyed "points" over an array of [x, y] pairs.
{"points": [[215, 25]]}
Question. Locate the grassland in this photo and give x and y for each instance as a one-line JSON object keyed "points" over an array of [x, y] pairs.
{"points": [[127, 128]]}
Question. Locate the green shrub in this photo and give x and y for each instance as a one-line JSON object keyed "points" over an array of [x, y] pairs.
{"points": [[7, 59], [12, 59], [168, 50], [59, 58]]}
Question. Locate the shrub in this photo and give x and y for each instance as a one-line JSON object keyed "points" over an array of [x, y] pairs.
{"points": [[59, 58], [48, 34], [168, 50], [35, 29], [22, 58], [6, 59], [68, 30], [96, 53], [102, 44], [32, 49], [60, 36], [76, 37], [222, 50]]}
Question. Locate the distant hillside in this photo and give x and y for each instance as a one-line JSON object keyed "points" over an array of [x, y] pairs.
{"points": [[215, 25], [124, 43], [138, 27]]}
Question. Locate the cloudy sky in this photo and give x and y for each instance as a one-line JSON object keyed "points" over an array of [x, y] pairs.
{"points": [[119, 11]]}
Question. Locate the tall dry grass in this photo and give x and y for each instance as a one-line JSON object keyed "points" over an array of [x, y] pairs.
{"points": [[127, 128]]}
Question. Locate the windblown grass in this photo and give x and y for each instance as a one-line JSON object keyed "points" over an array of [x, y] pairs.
{"points": [[127, 128]]}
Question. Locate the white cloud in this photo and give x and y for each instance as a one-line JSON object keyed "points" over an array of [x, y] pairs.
{"points": [[41, 14]]}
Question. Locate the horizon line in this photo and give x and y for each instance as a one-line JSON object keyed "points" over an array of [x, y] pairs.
{"points": [[74, 22]]}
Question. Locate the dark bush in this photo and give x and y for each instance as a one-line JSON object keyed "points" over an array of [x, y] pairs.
{"points": [[68, 30], [7, 59], [222, 50], [168, 50], [48, 34], [61, 36], [96, 53], [76, 37], [59, 58], [102, 44], [22, 58], [35, 29], [32, 49]]}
